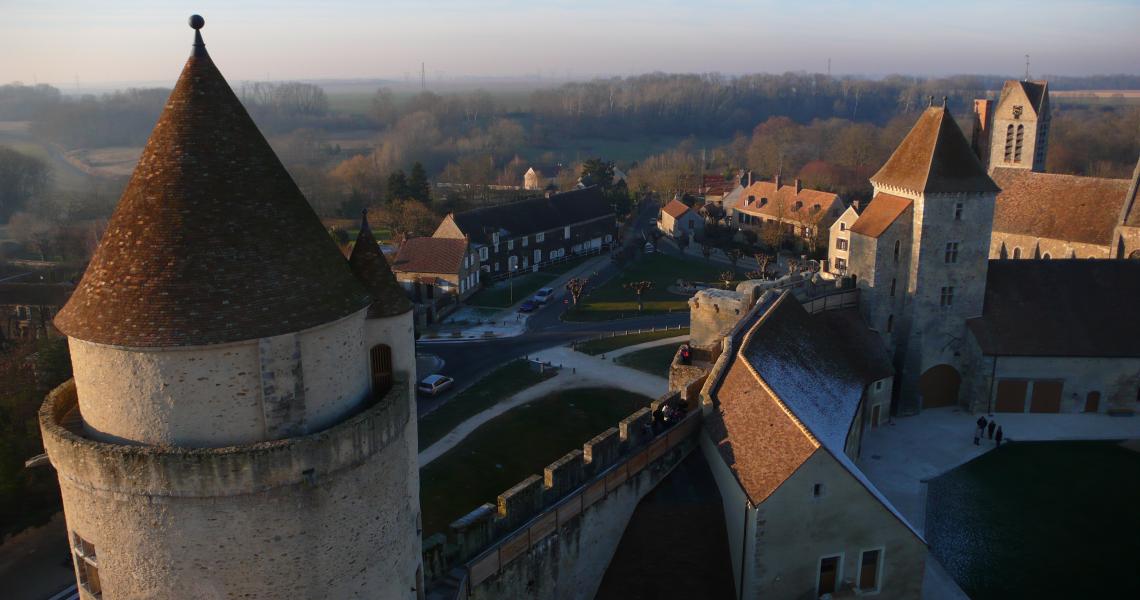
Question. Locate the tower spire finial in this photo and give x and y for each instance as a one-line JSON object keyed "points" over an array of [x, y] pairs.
{"points": [[197, 23]]}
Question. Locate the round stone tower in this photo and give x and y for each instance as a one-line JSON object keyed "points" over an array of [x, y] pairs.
{"points": [[242, 420]]}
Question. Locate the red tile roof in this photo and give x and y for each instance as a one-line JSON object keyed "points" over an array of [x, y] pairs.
{"points": [[211, 242], [675, 209], [430, 255], [882, 211], [782, 202], [1059, 207], [371, 268], [935, 157]]}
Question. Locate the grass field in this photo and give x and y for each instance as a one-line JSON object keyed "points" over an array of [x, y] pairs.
{"points": [[613, 301], [1040, 520], [502, 383], [490, 460], [609, 344], [654, 361], [499, 295]]}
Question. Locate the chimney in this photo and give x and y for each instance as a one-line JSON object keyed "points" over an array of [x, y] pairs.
{"points": [[777, 180], [749, 178], [799, 186]]}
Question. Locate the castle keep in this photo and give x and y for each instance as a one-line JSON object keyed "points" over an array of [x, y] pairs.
{"points": [[241, 422]]}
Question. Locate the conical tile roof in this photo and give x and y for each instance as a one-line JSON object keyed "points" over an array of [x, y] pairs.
{"points": [[211, 242], [372, 269], [935, 158]]}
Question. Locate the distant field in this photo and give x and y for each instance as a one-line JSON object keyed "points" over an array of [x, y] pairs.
{"points": [[105, 162], [1097, 97]]}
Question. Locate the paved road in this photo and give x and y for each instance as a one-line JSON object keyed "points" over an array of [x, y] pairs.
{"points": [[468, 361]]}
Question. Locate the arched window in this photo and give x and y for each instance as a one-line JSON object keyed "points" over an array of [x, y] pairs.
{"points": [[1016, 253], [1017, 146], [1009, 143], [898, 247], [1046, 256], [890, 323], [380, 359]]}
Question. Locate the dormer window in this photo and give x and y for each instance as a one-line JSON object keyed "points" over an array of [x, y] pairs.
{"points": [[763, 201], [799, 204], [751, 200]]}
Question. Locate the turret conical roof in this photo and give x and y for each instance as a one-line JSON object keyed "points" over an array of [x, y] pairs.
{"points": [[935, 158], [211, 242], [373, 270]]}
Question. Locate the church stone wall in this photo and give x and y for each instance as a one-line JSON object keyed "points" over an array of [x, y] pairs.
{"points": [[326, 515], [1116, 379], [223, 394], [1053, 247]]}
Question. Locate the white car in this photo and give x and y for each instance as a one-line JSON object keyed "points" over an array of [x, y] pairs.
{"points": [[434, 384], [543, 295]]}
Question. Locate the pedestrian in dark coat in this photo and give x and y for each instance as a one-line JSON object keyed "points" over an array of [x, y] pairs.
{"points": [[998, 436], [991, 428], [981, 430]]}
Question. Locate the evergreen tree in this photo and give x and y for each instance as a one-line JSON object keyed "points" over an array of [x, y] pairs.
{"points": [[418, 186], [596, 171], [397, 186]]}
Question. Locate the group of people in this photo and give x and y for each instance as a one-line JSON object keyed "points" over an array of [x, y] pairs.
{"points": [[987, 426]]}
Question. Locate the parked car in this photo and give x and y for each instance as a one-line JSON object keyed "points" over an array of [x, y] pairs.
{"points": [[543, 295], [434, 384], [528, 306]]}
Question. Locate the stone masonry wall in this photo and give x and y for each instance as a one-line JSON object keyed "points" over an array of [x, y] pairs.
{"points": [[323, 515], [212, 396]]}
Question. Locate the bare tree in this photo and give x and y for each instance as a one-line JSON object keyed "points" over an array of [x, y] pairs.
{"points": [[639, 287], [576, 286], [726, 277]]}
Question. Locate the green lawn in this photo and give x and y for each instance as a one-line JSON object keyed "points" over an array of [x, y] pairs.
{"points": [[654, 361], [515, 445], [609, 344], [499, 295], [613, 301], [1040, 520], [502, 383]]}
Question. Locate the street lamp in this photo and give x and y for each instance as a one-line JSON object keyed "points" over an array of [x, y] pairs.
{"points": [[511, 282]]}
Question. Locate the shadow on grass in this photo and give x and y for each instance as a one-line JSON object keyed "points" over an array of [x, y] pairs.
{"points": [[501, 384], [515, 445], [654, 361], [1040, 520]]}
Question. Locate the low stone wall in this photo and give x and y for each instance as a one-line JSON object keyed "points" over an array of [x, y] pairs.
{"points": [[553, 536]]}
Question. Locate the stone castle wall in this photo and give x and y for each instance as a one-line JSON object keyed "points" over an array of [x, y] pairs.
{"points": [[323, 515], [1053, 247], [224, 394]]}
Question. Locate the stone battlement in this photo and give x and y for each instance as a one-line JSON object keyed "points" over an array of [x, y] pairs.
{"points": [[483, 542], [208, 472]]}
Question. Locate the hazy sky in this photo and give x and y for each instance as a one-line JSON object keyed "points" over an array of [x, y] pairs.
{"points": [[121, 41]]}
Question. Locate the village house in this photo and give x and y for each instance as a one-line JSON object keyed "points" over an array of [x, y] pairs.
{"points": [[525, 235], [27, 309], [804, 214], [839, 240], [678, 218], [541, 177], [437, 274], [786, 405]]}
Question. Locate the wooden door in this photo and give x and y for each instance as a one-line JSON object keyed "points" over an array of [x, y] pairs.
{"points": [[939, 386], [874, 416], [1011, 395], [1046, 397], [1092, 402], [828, 575]]}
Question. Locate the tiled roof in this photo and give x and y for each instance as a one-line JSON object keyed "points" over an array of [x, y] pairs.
{"points": [[880, 214], [211, 242], [371, 268], [781, 202], [675, 209], [35, 294], [935, 157], [862, 348], [1060, 308], [789, 393], [1059, 207], [534, 215], [430, 255]]}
